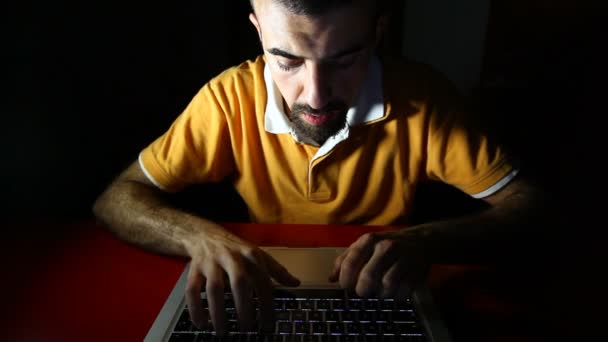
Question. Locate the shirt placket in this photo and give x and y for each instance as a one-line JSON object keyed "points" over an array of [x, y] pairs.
{"points": [[318, 189]]}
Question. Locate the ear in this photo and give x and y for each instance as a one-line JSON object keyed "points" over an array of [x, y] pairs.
{"points": [[254, 21]]}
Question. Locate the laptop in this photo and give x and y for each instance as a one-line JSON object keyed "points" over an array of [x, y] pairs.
{"points": [[315, 311]]}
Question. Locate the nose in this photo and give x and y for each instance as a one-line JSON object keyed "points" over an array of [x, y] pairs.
{"points": [[318, 87]]}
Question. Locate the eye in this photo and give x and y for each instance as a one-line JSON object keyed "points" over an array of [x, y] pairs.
{"points": [[284, 67], [288, 64]]}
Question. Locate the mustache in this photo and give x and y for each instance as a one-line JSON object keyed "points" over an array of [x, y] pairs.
{"points": [[299, 108]]}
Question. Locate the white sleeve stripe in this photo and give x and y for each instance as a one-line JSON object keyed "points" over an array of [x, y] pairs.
{"points": [[143, 168], [499, 185]]}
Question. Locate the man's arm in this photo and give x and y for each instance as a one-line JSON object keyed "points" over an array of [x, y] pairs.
{"points": [[516, 217], [380, 263], [134, 210]]}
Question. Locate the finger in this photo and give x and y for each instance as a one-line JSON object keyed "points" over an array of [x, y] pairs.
{"points": [[263, 288], [369, 282], [393, 280], [279, 272], [413, 275], [358, 254], [194, 283], [335, 273], [241, 292], [215, 297]]}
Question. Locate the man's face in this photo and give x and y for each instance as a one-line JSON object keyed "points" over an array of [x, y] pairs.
{"points": [[317, 62]]}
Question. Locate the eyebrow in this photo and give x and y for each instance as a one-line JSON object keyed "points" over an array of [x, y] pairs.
{"points": [[339, 54]]}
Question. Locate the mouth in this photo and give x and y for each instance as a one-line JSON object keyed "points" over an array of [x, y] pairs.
{"points": [[319, 119]]}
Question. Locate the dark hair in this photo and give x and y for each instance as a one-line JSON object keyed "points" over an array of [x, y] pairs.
{"points": [[316, 7]]}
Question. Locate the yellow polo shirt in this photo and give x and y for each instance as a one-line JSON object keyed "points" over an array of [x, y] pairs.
{"points": [[406, 127]]}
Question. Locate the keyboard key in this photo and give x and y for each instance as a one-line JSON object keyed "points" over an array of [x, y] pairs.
{"points": [[315, 316], [232, 326], [365, 316], [207, 338], [301, 328], [298, 316], [282, 315], [355, 304], [369, 328], [387, 328], [293, 338], [332, 316], [350, 316], [263, 338], [319, 328], [336, 328], [404, 305], [229, 303], [184, 323], [338, 305], [387, 304], [310, 338], [307, 304], [370, 304], [291, 305], [408, 328], [367, 338], [382, 316], [182, 337], [406, 338], [403, 316], [231, 315], [256, 338], [284, 327], [353, 328], [322, 304], [238, 338], [330, 338], [385, 338]]}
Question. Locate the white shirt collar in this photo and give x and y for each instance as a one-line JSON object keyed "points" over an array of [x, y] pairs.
{"points": [[369, 105]]}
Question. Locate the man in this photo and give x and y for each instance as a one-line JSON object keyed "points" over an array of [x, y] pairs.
{"points": [[318, 130]]}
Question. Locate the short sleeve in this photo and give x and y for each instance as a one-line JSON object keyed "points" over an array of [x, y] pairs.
{"points": [[459, 152], [195, 149]]}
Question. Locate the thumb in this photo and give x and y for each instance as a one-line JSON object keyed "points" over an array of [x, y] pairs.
{"points": [[280, 273]]}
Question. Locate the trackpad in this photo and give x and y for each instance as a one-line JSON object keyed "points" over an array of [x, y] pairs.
{"points": [[311, 265]]}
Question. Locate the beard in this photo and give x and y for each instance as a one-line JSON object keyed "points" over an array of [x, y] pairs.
{"points": [[319, 133]]}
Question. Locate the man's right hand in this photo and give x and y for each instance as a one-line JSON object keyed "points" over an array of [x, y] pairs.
{"points": [[219, 257]]}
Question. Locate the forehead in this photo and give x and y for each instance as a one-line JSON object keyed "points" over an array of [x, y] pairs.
{"points": [[314, 36]]}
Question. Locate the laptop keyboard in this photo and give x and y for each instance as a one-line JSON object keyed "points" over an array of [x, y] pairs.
{"points": [[318, 316]]}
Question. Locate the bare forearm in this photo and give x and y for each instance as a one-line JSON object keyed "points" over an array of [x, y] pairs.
{"points": [[503, 232], [137, 214]]}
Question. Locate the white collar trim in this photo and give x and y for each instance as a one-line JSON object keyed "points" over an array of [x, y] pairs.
{"points": [[369, 106]]}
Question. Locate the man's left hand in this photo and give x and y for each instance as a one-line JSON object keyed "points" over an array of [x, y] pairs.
{"points": [[383, 264]]}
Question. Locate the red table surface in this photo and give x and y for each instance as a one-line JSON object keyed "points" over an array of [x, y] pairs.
{"points": [[91, 286]]}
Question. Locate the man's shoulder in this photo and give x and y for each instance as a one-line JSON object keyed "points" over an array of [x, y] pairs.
{"points": [[248, 72]]}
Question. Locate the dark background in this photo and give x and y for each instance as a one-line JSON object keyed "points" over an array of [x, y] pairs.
{"points": [[87, 85]]}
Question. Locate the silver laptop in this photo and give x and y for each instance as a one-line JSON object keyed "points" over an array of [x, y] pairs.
{"points": [[315, 311]]}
